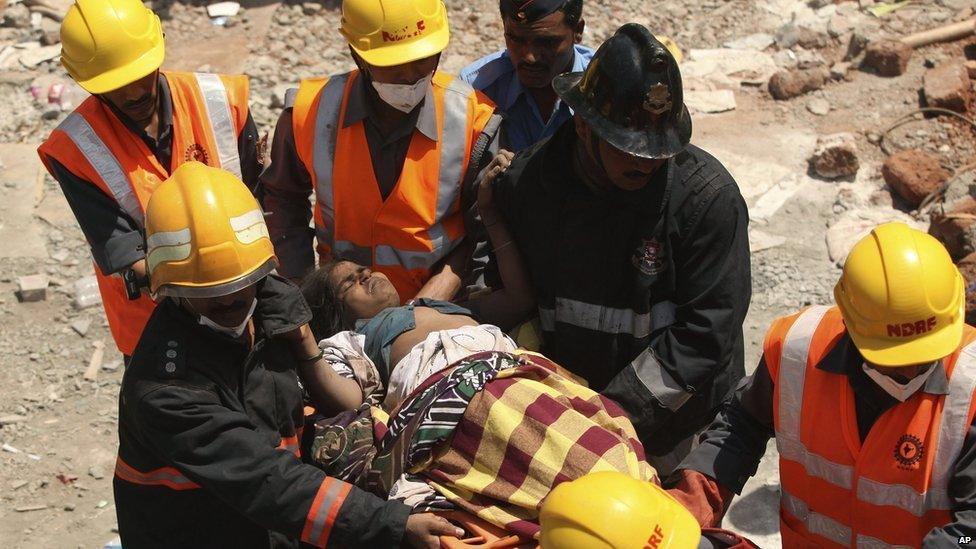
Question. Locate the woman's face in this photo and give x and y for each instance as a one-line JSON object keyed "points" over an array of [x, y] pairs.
{"points": [[363, 292]]}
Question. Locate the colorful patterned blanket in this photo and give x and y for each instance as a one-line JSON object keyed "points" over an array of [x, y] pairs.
{"points": [[491, 435]]}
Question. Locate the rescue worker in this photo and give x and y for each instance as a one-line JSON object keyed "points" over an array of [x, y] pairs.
{"points": [[636, 244], [391, 151], [611, 510], [210, 412], [542, 41], [871, 404], [121, 143]]}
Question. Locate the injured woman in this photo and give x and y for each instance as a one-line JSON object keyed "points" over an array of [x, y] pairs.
{"points": [[453, 416]]}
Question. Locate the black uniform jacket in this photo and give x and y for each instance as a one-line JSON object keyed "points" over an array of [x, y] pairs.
{"points": [[209, 436], [643, 293]]}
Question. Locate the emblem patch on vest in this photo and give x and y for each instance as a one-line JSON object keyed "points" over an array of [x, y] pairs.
{"points": [[196, 152], [648, 257], [908, 452]]}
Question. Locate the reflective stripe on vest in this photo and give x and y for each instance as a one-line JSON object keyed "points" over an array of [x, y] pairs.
{"points": [[221, 122], [816, 523], [952, 431], [324, 143], [453, 141], [598, 318], [104, 162], [867, 542]]}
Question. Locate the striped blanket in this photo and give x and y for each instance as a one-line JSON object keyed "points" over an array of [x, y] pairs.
{"points": [[492, 435]]}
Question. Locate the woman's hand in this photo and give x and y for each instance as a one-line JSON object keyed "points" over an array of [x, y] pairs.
{"points": [[423, 531], [486, 202]]}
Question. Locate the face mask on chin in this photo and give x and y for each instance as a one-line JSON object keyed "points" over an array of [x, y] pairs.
{"points": [[899, 391], [403, 97], [233, 331]]}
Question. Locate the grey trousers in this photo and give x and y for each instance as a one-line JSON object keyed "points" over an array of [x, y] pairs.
{"points": [[666, 464]]}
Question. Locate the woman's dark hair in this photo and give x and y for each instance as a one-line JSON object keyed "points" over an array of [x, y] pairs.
{"points": [[328, 313]]}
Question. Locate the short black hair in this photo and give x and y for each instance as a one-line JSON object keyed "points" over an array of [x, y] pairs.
{"points": [[572, 9], [328, 312]]}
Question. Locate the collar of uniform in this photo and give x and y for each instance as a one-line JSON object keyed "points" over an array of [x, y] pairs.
{"points": [[844, 359], [423, 119], [515, 89], [165, 113]]}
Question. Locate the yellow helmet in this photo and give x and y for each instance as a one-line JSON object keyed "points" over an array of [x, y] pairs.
{"points": [[387, 33], [205, 235], [106, 44], [611, 510], [902, 299]]}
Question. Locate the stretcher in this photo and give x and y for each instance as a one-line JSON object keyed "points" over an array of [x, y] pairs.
{"points": [[481, 534]]}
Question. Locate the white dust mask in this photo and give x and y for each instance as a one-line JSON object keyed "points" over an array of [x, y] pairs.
{"points": [[403, 97], [235, 331], [895, 389]]}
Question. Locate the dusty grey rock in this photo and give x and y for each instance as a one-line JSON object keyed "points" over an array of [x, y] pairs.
{"points": [[32, 288], [835, 156]]}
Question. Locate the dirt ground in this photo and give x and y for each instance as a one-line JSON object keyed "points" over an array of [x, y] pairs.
{"points": [[58, 429]]}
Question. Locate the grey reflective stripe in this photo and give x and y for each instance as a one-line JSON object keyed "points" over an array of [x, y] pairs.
{"points": [[290, 95], [453, 143], [322, 514], [867, 542], [792, 371], [349, 251], [954, 426], [598, 318], [902, 496], [221, 122], [104, 162], [409, 259], [815, 465], [816, 523], [658, 381], [323, 152]]}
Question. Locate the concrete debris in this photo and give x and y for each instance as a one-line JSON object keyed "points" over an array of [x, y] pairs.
{"points": [[947, 86], [914, 174], [101, 504], [112, 366], [709, 101], [28, 508], [15, 16], [95, 362], [773, 199], [725, 68], [32, 288], [835, 156], [11, 419], [808, 59], [33, 57], [757, 42], [18, 484], [81, 326], [69, 507], [971, 68], [840, 70], [818, 106], [856, 47], [96, 472], [760, 241], [86, 293], [855, 225], [791, 34], [66, 479], [223, 9], [10, 449]]}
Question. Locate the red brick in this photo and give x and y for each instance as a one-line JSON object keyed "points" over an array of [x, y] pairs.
{"points": [[948, 87], [887, 57], [914, 175]]}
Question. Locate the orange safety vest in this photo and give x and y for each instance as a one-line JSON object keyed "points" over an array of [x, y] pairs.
{"points": [[421, 221], [209, 112], [889, 491]]}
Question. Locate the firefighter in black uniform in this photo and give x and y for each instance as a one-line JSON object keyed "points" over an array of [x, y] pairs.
{"points": [[637, 245], [210, 413]]}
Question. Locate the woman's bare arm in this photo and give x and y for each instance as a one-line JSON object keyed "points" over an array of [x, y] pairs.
{"points": [[511, 304], [330, 392]]}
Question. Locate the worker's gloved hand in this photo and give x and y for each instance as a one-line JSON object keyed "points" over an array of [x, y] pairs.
{"points": [[424, 530]]}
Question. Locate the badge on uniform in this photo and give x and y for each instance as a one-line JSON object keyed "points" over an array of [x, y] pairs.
{"points": [[649, 257]]}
